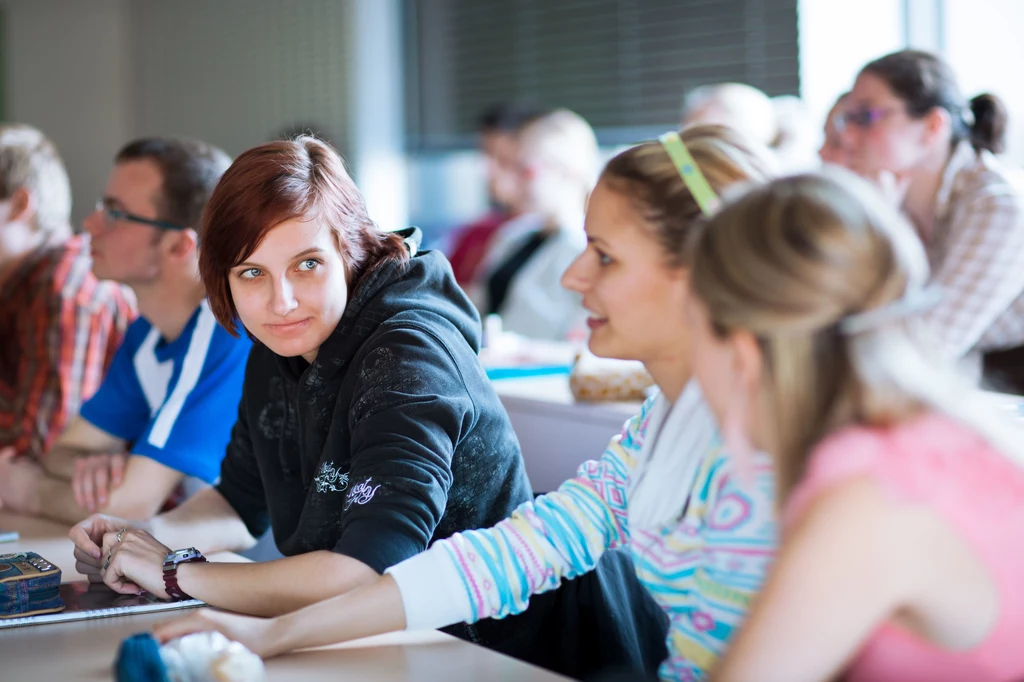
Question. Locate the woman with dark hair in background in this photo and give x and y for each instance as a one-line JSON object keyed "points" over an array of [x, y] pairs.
{"points": [[907, 124]]}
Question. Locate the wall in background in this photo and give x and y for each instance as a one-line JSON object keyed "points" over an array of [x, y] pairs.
{"points": [[837, 39], [982, 40], [67, 73], [621, 64], [235, 73], [238, 72]]}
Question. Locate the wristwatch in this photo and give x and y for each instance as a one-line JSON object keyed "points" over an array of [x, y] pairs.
{"points": [[171, 561]]}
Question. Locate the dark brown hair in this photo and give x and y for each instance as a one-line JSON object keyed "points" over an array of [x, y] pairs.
{"points": [[990, 122], [190, 170], [509, 117], [925, 81], [275, 182]]}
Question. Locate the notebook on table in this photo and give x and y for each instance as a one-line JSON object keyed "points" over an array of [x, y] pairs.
{"points": [[84, 600], [520, 358], [527, 371]]}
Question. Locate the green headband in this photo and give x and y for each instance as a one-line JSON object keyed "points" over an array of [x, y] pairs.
{"points": [[690, 172]]}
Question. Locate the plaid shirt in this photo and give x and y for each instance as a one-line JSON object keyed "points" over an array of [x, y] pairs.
{"points": [[977, 255], [59, 328]]}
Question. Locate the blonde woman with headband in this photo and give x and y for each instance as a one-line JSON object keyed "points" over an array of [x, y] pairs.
{"points": [[701, 531], [903, 528]]}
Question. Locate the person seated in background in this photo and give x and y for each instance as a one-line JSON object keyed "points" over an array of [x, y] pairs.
{"points": [[499, 141], [520, 277], [907, 126], [781, 124], [60, 325], [900, 493], [739, 106], [832, 150], [165, 409], [795, 135], [367, 428]]}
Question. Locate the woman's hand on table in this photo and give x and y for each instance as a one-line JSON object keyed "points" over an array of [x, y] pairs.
{"points": [[259, 635], [88, 538], [133, 561]]}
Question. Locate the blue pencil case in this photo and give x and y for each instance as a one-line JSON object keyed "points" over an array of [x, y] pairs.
{"points": [[29, 585]]}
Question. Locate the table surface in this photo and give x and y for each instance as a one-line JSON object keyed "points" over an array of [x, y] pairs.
{"points": [[552, 393], [85, 650]]}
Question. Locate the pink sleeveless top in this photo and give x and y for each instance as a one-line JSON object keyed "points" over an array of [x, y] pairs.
{"points": [[935, 461]]}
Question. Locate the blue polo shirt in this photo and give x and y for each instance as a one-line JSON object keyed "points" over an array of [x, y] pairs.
{"points": [[174, 402]]}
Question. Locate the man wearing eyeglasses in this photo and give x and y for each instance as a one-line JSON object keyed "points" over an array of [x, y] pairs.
{"points": [[164, 413]]}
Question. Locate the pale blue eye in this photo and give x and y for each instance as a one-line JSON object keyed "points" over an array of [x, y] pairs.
{"points": [[308, 264], [250, 273]]}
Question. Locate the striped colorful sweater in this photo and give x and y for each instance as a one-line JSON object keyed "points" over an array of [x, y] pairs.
{"points": [[702, 569]]}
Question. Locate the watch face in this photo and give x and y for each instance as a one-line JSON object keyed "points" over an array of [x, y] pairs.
{"points": [[180, 555]]}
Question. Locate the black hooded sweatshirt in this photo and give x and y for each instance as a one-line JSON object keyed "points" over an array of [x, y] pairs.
{"points": [[394, 438], [391, 439]]}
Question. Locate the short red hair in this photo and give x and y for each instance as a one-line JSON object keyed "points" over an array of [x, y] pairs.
{"points": [[278, 181]]}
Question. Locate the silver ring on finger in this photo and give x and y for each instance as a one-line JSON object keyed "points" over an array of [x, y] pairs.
{"points": [[121, 533]]}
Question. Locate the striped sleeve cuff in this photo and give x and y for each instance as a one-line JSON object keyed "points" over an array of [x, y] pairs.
{"points": [[433, 590]]}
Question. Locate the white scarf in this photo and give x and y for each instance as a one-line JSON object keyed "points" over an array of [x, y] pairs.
{"points": [[678, 438]]}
